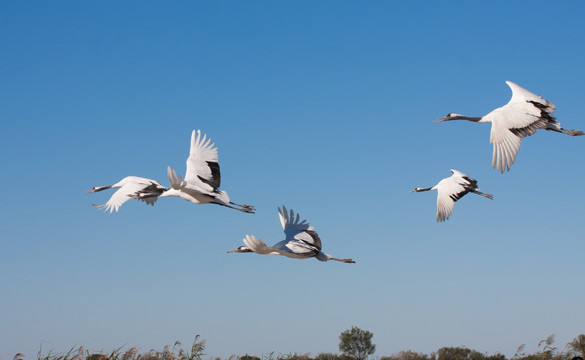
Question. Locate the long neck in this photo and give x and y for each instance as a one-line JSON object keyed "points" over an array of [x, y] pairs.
{"points": [[469, 118]]}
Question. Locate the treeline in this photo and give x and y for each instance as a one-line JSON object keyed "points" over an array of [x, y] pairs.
{"points": [[574, 350], [545, 351]]}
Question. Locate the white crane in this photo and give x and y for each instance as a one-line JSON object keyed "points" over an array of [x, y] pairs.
{"points": [[202, 178], [450, 190], [130, 187], [520, 117], [302, 242]]}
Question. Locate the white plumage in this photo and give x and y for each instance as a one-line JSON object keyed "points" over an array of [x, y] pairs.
{"points": [[301, 240], [520, 117], [130, 187], [450, 190], [202, 178]]}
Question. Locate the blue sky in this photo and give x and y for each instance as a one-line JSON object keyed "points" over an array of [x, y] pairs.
{"points": [[326, 107]]}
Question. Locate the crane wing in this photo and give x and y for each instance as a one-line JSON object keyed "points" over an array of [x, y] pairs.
{"points": [[521, 95], [301, 248], [524, 113], [506, 146], [309, 237], [258, 246], [464, 180], [175, 180], [520, 117], [450, 190], [295, 229], [150, 193], [202, 166], [124, 193], [149, 200]]}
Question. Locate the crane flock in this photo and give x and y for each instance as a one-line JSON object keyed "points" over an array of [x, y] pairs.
{"points": [[202, 180], [522, 116]]}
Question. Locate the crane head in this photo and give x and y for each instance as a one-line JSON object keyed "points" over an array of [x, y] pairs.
{"points": [[417, 189], [449, 116], [241, 249]]}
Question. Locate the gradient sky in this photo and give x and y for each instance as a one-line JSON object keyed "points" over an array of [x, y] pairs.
{"points": [[326, 107]]}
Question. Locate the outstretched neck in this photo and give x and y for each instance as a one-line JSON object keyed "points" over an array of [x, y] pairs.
{"points": [[454, 116], [469, 118]]}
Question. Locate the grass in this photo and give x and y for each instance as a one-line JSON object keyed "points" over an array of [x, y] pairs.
{"points": [[545, 351]]}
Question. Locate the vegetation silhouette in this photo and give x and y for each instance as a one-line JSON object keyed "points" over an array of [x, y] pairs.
{"points": [[355, 344]]}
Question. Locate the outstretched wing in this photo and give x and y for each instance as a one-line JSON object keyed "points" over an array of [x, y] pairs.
{"points": [[258, 246], [126, 192], [295, 229], [175, 180], [506, 146], [149, 194], [149, 200], [520, 117], [450, 190], [202, 166], [301, 249], [523, 96]]}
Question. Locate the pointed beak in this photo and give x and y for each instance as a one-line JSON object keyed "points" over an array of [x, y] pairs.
{"points": [[444, 118], [231, 251], [413, 190]]}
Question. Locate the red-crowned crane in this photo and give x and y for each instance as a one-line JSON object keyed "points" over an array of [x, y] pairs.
{"points": [[520, 117], [302, 242], [202, 178], [450, 190], [130, 187]]}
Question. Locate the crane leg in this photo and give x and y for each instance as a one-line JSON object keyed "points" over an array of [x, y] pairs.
{"points": [[489, 196], [243, 208], [569, 132], [573, 132]]}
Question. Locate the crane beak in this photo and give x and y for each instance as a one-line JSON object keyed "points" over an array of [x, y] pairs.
{"points": [[241, 249], [444, 118], [97, 188]]}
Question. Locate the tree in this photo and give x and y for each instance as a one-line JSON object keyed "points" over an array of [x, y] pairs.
{"points": [[356, 343]]}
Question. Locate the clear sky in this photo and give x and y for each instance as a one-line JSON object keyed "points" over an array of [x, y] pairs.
{"points": [[326, 107]]}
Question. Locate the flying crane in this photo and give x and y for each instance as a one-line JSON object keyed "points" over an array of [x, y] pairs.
{"points": [[450, 190], [520, 117], [202, 178], [130, 187], [302, 242]]}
